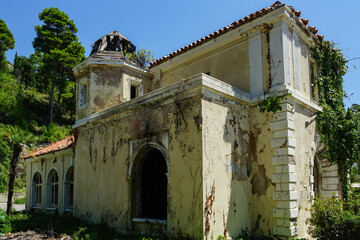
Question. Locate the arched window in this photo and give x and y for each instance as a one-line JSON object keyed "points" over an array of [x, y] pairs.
{"points": [[36, 189], [69, 189], [53, 189], [151, 186]]}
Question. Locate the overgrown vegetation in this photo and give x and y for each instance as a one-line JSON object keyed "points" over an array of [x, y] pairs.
{"points": [[68, 225], [272, 104], [37, 92], [339, 128], [142, 57], [335, 218]]}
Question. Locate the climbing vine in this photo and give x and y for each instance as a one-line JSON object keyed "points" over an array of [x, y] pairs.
{"points": [[338, 127], [272, 104]]}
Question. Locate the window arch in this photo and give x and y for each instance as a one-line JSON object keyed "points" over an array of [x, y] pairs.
{"points": [[36, 189], [53, 189], [69, 189], [150, 186]]}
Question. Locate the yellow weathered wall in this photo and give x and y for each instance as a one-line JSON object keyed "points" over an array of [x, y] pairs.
{"points": [[103, 160], [60, 161], [261, 157], [230, 66], [227, 169], [304, 153], [108, 86]]}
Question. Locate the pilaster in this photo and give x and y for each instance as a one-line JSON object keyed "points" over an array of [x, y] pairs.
{"points": [[285, 177]]}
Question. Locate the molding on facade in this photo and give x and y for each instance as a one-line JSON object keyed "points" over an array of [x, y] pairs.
{"points": [[285, 177]]}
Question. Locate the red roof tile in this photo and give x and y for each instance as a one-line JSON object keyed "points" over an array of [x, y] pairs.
{"points": [[52, 147], [228, 28]]}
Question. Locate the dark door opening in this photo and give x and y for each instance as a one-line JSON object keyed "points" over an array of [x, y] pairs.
{"points": [[153, 186]]}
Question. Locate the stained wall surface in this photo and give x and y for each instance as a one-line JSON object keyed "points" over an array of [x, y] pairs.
{"points": [[106, 160], [61, 162]]}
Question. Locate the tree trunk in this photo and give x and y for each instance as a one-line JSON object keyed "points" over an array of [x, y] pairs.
{"points": [[51, 100], [13, 170]]}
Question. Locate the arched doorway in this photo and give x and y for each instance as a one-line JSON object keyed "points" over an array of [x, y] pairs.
{"points": [[150, 186], [69, 189], [36, 190]]}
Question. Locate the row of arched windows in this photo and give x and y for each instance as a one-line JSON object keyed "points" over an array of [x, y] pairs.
{"points": [[52, 189], [149, 184]]}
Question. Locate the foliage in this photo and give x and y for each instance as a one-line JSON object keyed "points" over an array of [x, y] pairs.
{"points": [[5, 225], [6, 42], [20, 200], [54, 132], [246, 235], [16, 137], [272, 104], [82, 234], [142, 57], [60, 50], [338, 127], [24, 71], [336, 219]]}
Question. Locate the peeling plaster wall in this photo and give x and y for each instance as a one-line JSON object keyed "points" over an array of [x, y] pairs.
{"points": [[103, 159], [230, 65], [262, 185], [304, 157], [227, 168], [61, 161], [108, 86]]}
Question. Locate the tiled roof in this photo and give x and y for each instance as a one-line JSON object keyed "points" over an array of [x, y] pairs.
{"points": [[232, 26], [52, 147]]}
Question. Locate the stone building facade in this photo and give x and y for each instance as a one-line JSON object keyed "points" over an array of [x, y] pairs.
{"points": [[182, 147]]}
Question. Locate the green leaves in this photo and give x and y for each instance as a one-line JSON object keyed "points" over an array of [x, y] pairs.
{"points": [[142, 57], [338, 127], [272, 104], [60, 50], [6, 42]]}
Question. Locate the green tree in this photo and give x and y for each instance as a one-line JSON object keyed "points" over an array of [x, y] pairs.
{"points": [[57, 41], [16, 138], [338, 127], [142, 57], [24, 71], [6, 42]]}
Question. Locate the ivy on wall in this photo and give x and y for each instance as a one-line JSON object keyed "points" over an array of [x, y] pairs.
{"points": [[272, 104], [338, 127]]}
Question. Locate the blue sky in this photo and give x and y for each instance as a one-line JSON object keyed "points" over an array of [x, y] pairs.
{"points": [[165, 25]]}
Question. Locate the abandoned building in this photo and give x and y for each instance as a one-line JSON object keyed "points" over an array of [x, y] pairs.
{"points": [[181, 147]]}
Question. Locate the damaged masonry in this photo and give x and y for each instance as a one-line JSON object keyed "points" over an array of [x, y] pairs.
{"points": [[171, 149]]}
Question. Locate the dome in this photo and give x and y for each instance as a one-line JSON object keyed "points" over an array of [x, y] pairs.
{"points": [[112, 45]]}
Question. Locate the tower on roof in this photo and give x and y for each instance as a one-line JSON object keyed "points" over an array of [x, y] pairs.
{"points": [[112, 45], [106, 79]]}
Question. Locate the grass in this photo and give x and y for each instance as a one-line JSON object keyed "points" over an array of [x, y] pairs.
{"points": [[20, 201]]}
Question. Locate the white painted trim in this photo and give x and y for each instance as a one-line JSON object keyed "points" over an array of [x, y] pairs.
{"points": [[150, 220]]}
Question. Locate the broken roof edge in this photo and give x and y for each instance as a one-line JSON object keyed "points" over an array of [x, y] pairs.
{"points": [[241, 22], [61, 144], [78, 69]]}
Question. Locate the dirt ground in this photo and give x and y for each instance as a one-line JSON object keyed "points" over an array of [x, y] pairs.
{"points": [[32, 235]]}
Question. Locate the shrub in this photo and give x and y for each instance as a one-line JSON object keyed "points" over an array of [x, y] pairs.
{"points": [[5, 225], [335, 219]]}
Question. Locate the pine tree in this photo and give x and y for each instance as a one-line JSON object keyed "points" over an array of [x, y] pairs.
{"points": [[57, 41]]}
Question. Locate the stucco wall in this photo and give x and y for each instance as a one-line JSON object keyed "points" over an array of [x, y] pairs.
{"points": [[304, 155], [230, 65], [61, 161], [262, 171], [106, 151], [227, 168]]}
